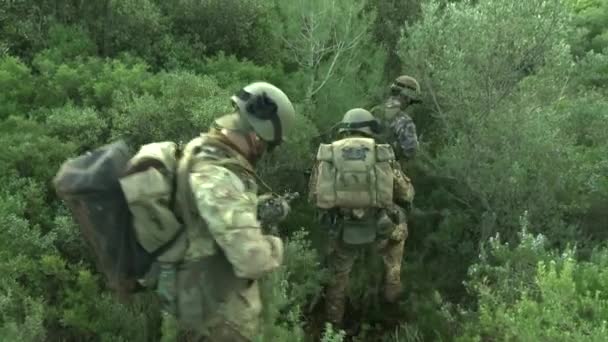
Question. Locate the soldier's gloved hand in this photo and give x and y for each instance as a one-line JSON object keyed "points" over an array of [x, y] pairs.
{"points": [[272, 209]]}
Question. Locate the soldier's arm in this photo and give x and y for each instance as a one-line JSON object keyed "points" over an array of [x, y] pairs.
{"points": [[405, 131], [403, 191], [230, 214]]}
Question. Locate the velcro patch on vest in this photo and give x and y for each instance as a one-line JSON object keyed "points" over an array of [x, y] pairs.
{"points": [[355, 153]]}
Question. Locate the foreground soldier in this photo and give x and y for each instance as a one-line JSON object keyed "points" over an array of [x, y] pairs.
{"points": [[399, 128], [361, 191], [213, 289]]}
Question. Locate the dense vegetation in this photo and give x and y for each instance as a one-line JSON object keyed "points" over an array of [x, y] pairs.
{"points": [[507, 240]]}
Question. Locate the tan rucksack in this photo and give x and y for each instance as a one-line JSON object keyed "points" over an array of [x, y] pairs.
{"points": [[354, 173], [150, 189]]}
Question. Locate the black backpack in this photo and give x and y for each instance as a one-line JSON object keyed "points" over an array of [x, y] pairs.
{"points": [[90, 187]]}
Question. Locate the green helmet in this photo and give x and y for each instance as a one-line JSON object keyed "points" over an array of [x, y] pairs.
{"points": [[406, 86], [267, 110], [359, 120]]}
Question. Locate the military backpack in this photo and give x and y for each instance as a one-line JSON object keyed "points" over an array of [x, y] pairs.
{"points": [[354, 173], [124, 204]]}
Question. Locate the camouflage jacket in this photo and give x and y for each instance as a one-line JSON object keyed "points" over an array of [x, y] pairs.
{"points": [[224, 194], [398, 127], [226, 250]]}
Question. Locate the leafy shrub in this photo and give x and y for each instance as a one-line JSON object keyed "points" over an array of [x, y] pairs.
{"points": [[16, 87], [29, 152], [71, 123], [285, 291], [235, 27], [185, 106], [533, 294]]}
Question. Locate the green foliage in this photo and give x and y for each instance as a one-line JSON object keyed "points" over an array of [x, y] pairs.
{"points": [[72, 123], [513, 128], [231, 73], [331, 335], [286, 291], [529, 293], [500, 123], [68, 43], [28, 151], [242, 28], [387, 27], [328, 41], [192, 101], [31, 327], [591, 21], [16, 87]]}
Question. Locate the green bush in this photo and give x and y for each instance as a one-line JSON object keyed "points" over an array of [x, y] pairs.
{"points": [[29, 152], [16, 87], [513, 132], [286, 291], [244, 29], [185, 106], [81, 124], [530, 293]]}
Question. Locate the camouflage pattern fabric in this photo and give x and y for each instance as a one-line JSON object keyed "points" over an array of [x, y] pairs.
{"points": [[341, 259], [399, 128], [216, 293], [342, 256], [404, 131]]}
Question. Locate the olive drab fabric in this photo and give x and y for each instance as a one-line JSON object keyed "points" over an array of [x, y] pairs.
{"points": [[354, 173], [268, 111], [150, 189], [359, 120], [213, 289]]}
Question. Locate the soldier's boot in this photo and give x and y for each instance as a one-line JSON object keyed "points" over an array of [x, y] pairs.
{"points": [[392, 257], [335, 298]]}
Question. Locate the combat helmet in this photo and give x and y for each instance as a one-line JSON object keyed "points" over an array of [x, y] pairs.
{"points": [[406, 86], [359, 120], [267, 110]]}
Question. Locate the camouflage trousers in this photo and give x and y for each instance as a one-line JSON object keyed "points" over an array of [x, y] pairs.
{"points": [[220, 332], [236, 318], [341, 260]]}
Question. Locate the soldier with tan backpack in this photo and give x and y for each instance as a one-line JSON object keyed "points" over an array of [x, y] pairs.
{"points": [[183, 220], [358, 187]]}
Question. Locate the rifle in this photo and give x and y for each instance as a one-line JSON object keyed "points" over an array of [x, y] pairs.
{"points": [[273, 209]]}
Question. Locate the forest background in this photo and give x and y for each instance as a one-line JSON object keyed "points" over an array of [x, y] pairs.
{"points": [[508, 236]]}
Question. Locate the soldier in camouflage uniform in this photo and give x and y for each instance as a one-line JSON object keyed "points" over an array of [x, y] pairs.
{"points": [[389, 225], [213, 289], [399, 129]]}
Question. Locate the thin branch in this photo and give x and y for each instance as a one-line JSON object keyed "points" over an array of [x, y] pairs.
{"points": [[328, 74]]}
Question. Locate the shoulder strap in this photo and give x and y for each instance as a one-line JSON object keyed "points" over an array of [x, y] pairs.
{"points": [[173, 205]]}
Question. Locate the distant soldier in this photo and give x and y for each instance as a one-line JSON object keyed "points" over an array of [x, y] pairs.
{"points": [[399, 129], [359, 189]]}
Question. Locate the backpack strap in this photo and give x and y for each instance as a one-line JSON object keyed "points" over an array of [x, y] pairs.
{"points": [[173, 205]]}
